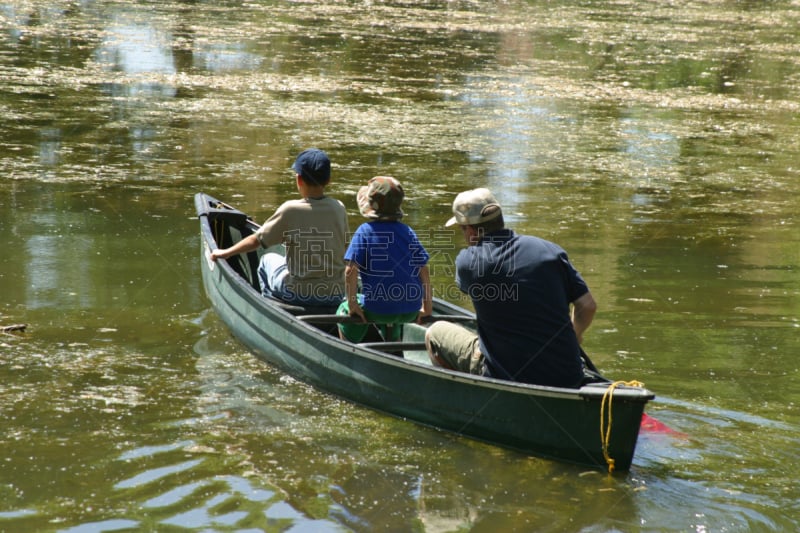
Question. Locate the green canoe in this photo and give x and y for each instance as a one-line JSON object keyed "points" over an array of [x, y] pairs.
{"points": [[557, 423]]}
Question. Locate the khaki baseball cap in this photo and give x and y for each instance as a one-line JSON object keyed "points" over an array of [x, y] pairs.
{"points": [[474, 207]]}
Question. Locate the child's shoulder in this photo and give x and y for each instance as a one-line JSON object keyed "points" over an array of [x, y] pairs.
{"points": [[386, 225]]}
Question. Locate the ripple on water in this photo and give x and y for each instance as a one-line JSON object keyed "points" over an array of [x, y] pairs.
{"points": [[184, 493]]}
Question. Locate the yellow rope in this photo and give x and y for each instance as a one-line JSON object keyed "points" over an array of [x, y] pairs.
{"points": [[605, 432]]}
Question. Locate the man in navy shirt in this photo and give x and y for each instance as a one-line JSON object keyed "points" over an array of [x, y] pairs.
{"points": [[532, 305]]}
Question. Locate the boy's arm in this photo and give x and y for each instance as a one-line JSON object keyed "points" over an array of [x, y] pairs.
{"points": [[351, 288], [248, 244], [427, 293]]}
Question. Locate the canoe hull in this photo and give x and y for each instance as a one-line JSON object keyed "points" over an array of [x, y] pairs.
{"points": [[556, 423]]}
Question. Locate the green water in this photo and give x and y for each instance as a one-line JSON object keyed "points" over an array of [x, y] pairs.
{"points": [[658, 143]]}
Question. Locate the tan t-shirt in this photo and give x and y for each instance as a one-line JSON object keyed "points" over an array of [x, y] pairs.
{"points": [[314, 233]]}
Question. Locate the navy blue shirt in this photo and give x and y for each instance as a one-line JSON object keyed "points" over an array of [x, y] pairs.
{"points": [[521, 287]]}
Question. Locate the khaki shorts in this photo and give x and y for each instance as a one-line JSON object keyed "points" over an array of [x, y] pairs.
{"points": [[457, 346]]}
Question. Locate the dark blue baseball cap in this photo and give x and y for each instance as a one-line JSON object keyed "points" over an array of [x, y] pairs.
{"points": [[315, 167]]}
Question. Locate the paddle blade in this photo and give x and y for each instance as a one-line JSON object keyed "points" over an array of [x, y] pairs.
{"points": [[656, 426]]}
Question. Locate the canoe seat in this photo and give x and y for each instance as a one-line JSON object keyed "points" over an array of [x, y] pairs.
{"points": [[234, 217]]}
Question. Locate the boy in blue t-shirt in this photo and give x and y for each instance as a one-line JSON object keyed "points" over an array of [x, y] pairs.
{"points": [[392, 264]]}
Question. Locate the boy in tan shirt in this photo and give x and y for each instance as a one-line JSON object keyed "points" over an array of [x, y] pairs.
{"points": [[313, 229]]}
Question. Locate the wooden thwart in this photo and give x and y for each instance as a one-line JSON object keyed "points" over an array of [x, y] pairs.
{"points": [[393, 346], [345, 319]]}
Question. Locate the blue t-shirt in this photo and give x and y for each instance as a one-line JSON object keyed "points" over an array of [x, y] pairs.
{"points": [[389, 256], [522, 287]]}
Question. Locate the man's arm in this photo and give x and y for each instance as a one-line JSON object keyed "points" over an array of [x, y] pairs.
{"points": [[583, 310]]}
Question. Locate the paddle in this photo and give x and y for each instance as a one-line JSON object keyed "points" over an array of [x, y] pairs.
{"points": [[648, 422]]}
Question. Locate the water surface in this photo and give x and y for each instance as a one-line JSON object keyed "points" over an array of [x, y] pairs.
{"points": [[658, 143]]}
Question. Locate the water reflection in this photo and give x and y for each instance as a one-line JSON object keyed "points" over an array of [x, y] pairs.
{"points": [[134, 48], [49, 147], [519, 128], [233, 57], [652, 152]]}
